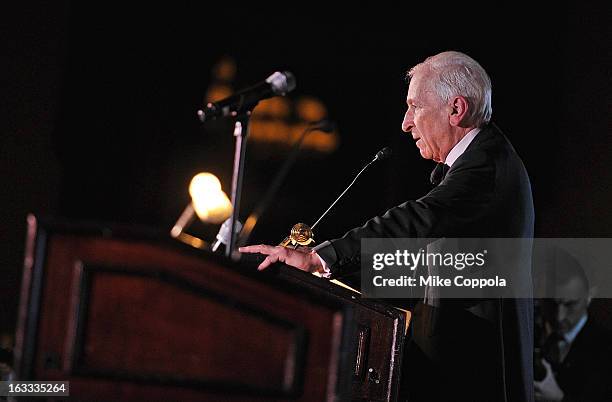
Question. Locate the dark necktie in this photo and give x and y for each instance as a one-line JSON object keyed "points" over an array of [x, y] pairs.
{"points": [[437, 175]]}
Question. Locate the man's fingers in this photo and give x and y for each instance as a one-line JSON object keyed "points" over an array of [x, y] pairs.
{"points": [[278, 254], [271, 259], [295, 258], [260, 248], [265, 264], [274, 254]]}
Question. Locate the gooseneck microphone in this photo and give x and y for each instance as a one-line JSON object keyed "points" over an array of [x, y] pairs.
{"points": [[277, 84], [380, 155]]}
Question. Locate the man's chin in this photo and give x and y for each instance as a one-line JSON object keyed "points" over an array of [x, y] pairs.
{"points": [[425, 154]]}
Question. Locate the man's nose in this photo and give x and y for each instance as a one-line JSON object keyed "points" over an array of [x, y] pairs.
{"points": [[407, 124]]}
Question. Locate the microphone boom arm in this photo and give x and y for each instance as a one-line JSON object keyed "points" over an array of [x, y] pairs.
{"points": [[301, 234], [340, 196]]}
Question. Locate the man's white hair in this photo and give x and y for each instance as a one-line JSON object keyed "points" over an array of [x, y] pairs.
{"points": [[457, 74]]}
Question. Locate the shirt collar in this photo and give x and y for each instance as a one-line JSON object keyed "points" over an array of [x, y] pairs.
{"points": [[461, 146], [571, 335]]}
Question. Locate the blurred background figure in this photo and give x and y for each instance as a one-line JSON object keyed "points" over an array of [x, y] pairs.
{"points": [[572, 352]]}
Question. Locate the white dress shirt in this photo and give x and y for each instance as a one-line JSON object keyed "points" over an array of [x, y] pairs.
{"points": [[461, 146]]}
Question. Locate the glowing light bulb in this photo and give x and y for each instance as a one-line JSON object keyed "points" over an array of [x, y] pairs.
{"points": [[211, 204]]}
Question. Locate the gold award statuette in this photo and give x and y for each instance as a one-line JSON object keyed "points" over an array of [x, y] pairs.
{"points": [[301, 235]]}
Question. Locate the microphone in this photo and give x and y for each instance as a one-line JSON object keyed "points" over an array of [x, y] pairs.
{"points": [[383, 154], [380, 155], [245, 100]]}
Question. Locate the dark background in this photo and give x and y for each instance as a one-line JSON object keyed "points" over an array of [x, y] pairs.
{"points": [[98, 110]]}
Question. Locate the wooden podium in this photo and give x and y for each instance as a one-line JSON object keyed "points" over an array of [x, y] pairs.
{"points": [[133, 316]]}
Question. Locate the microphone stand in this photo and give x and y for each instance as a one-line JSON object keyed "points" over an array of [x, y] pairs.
{"points": [[241, 132], [240, 106]]}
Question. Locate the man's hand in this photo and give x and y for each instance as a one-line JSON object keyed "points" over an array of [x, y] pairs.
{"points": [[548, 389], [302, 259]]}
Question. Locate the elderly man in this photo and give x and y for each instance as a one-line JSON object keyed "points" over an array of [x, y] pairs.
{"points": [[457, 352]]}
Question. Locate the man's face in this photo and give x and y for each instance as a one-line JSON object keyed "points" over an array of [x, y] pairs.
{"points": [[564, 313], [427, 119]]}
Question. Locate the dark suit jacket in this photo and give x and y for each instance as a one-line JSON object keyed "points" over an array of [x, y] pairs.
{"points": [[474, 353], [586, 371]]}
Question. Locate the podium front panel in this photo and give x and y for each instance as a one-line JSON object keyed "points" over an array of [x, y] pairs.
{"points": [[132, 319]]}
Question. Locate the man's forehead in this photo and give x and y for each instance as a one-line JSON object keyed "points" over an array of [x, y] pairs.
{"points": [[420, 92], [419, 82], [571, 290]]}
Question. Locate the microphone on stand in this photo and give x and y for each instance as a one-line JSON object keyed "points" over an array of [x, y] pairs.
{"points": [[241, 105], [277, 84]]}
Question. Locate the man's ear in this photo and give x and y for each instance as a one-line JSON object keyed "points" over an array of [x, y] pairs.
{"points": [[459, 109], [592, 293]]}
